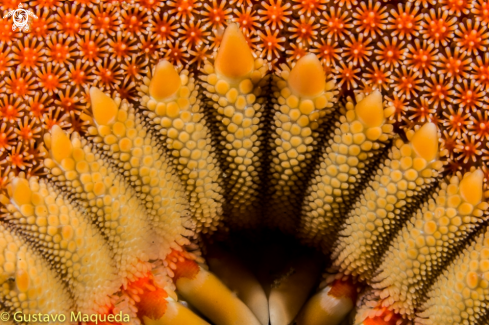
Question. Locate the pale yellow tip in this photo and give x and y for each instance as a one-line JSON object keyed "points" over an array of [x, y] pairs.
{"points": [[370, 110], [307, 77], [104, 108], [165, 82], [471, 187], [21, 192], [61, 146], [425, 141], [234, 58]]}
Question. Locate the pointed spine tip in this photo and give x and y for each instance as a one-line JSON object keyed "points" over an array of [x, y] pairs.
{"points": [[234, 58], [425, 142], [104, 108], [370, 110], [165, 82], [61, 146], [21, 192], [307, 77], [471, 187]]}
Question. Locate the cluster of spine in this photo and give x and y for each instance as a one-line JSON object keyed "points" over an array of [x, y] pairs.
{"points": [[430, 238], [174, 107], [354, 146], [395, 189], [27, 284], [103, 194], [145, 166], [66, 239], [234, 85], [459, 295], [302, 100]]}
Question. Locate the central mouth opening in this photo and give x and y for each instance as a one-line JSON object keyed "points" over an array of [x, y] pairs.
{"points": [[277, 261]]}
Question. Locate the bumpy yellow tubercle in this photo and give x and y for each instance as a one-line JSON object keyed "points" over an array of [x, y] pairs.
{"points": [[80, 255], [459, 295], [302, 100], [145, 165], [355, 144], [27, 284], [430, 238], [234, 85], [176, 112], [386, 203], [109, 201]]}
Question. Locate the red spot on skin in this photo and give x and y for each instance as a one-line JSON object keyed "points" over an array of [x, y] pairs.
{"points": [[341, 288]]}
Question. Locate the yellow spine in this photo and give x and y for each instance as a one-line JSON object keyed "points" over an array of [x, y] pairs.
{"points": [[428, 240], [145, 166], [396, 187], [302, 99], [359, 137], [107, 198], [233, 95], [175, 109]]}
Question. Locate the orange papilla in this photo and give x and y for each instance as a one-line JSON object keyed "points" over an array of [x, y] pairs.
{"points": [[186, 269], [182, 266], [346, 289], [153, 304], [152, 299], [386, 318]]}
